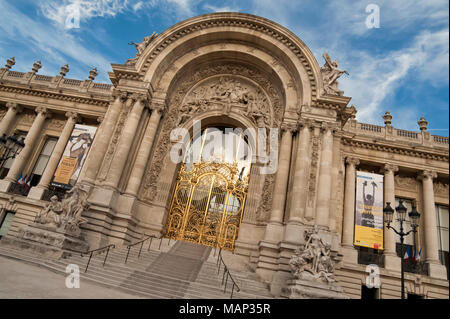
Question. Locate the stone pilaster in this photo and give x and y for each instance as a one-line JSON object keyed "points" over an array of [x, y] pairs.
{"points": [[300, 183], [436, 269], [30, 142], [268, 253], [125, 141], [392, 261], [8, 119], [349, 201], [102, 139], [38, 191], [349, 211], [137, 173], [325, 171]]}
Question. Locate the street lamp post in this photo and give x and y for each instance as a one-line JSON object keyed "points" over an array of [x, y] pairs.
{"points": [[414, 219], [10, 147]]}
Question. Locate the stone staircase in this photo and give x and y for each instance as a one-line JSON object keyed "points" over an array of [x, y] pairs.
{"points": [[168, 270]]}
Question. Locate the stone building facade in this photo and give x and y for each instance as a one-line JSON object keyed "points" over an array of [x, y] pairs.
{"points": [[173, 81]]}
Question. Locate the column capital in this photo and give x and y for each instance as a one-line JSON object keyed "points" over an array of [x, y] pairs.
{"points": [[72, 115], [100, 119], [138, 97], [305, 123], [427, 174], [389, 168], [118, 94], [44, 111], [327, 126], [16, 107], [352, 160], [288, 127], [158, 106]]}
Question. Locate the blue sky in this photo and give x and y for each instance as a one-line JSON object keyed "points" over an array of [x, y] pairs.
{"points": [[401, 67]]}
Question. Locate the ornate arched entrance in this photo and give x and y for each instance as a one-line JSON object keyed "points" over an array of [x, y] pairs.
{"points": [[209, 197]]}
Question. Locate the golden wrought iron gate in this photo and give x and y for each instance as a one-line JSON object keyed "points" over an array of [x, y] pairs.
{"points": [[208, 203]]}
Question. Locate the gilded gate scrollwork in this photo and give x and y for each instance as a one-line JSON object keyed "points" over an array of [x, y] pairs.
{"points": [[208, 203]]}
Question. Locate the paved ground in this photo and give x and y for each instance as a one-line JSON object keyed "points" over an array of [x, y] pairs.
{"points": [[21, 280]]}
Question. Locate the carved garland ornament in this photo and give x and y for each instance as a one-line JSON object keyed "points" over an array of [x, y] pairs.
{"points": [[183, 107]]}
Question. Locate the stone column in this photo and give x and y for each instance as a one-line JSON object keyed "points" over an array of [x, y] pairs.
{"points": [[349, 201], [300, 183], [389, 196], [55, 157], [325, 170], [137, 173], [429, 217], [125, 141], [97, 152], [436, 269], [8, 119], [30, 143], [273, 230]]}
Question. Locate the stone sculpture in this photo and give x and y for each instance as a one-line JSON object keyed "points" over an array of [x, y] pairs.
{"points": [[140, 47], [313, 262], [66, 215], [330, 74]]}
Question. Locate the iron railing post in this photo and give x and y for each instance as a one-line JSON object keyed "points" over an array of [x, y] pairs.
{"points": [[107, 252], [127, 254], [139, 255], [160, 242], [87, 265], [150, 245]]}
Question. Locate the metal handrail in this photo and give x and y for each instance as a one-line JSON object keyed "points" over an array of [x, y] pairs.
{"points": [[142, 244], [226, 274], [91, 252]]}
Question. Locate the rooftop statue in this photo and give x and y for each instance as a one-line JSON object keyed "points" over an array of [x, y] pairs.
{"points": [[140, 47], [330, 74]]}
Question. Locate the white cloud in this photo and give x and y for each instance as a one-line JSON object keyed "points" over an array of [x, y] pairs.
{"points": [[58, 11], [47, 41], [374, 78], [138, 6], [212, 8]]}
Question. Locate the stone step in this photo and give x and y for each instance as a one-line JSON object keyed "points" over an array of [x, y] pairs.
{"points": [[146, 283], [169, 273]]}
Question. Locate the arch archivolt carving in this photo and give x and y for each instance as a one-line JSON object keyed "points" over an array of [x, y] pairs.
{"points": [[226, 88], [249, 55], [277, 40]]}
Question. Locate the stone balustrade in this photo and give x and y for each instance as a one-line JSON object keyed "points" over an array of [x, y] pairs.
{"points": [[393, 134], [54, 81]]}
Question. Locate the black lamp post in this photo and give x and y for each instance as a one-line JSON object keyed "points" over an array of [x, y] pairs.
{"points": [[414, 217], [9, 147]]}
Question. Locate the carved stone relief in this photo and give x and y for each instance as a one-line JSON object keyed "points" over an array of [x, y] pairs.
{"points": [[441, 189], [405, 183]]}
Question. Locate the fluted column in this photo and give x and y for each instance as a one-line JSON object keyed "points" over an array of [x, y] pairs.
{"points": [[282, 177], [8, 119], [30, 143], [102, 139], [145, 148], [349, 201], [58, 150], [325, 169], [389, 196], [125, 141], [300, 183], [429, 215]]}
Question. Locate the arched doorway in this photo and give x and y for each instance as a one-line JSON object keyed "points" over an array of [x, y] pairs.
{"points": [[209, 196]]}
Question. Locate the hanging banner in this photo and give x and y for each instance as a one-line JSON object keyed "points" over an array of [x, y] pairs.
{"points": [[369, 210], [74, 156]]}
